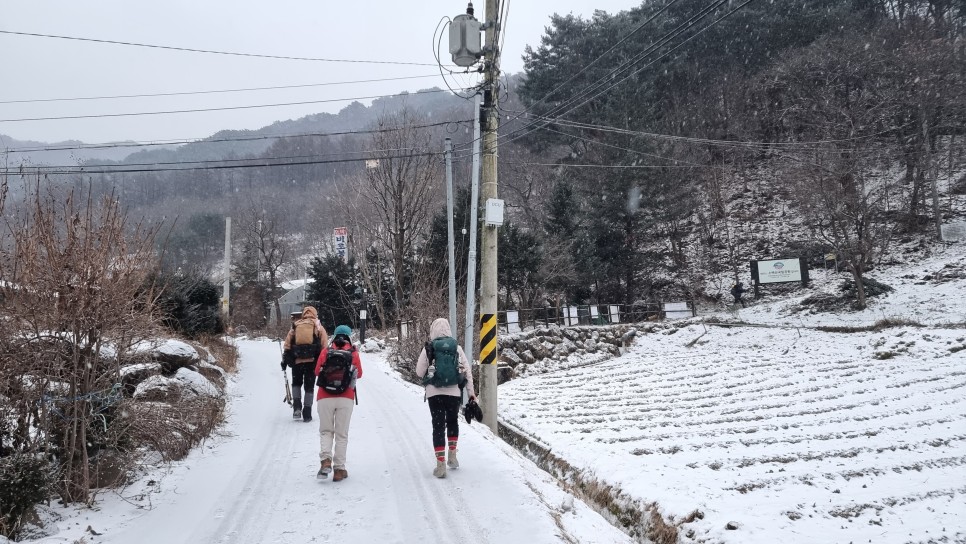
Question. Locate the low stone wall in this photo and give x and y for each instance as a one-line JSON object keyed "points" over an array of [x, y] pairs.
{"points": [[554, 347]]}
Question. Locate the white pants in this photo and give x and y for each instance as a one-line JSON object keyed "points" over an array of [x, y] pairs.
{"points": [[334, 416]]}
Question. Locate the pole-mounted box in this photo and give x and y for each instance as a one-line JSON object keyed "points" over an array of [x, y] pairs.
{"points": [[493, 214]]}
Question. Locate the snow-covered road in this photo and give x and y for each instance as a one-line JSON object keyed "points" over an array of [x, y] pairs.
{"points": [[257, 483]]}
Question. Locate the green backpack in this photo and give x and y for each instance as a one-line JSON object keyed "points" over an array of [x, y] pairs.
{"points": [[444, 361]]}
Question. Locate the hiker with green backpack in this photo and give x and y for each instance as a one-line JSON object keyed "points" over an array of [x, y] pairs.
{"points": [[445, 371]]}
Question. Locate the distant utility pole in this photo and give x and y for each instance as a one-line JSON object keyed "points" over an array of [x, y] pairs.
{"points": [[227, 287], [469, 323], [450, 245], [493, 217]]}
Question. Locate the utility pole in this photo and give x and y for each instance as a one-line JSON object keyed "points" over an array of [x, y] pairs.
{"points": [[488, 194], [227, 286], [449, 237], [470, 322]]}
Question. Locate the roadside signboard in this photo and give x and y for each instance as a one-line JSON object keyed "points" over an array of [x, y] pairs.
{"points": [[340, 242]]}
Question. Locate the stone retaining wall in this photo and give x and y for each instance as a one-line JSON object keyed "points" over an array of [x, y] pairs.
{"points": [[554, 347]]}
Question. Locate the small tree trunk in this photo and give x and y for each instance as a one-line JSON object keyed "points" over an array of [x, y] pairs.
{"points": [[857, 274]]}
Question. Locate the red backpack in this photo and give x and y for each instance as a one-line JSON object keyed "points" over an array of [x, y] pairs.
{"points": [[338, 373]]}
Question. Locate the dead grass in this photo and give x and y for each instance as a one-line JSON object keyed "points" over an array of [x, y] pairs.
{"points": [[643, 522], [225, 354], [173, 430], [878, 326], [659, 530]]}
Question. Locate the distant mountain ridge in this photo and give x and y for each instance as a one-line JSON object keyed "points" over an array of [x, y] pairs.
{"points": [[57, 153], [228, 143]]}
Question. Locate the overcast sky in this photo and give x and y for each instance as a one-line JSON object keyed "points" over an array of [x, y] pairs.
{"points": [[375, 30]]}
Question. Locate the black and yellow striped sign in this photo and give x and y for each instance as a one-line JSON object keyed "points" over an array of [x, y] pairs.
{"points": [[487, 339]]}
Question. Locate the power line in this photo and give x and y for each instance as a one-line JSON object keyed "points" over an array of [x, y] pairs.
{"points": [[184, 141], [604, 144], [211, 51], [673, 49], [602, 55], [566, 106], [708, 141], [185, 93], [26, 171], [122, 166], [224, 108], [680, 29], [639, 57], [611, 166]]}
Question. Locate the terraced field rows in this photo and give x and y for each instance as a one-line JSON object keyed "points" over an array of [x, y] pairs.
{"points": [[799, 436]]}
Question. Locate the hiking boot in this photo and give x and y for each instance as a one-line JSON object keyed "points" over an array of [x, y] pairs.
{"points": [[296, 408], [452, 461], [440, 470], [339, 475], [325, 469], [307, 414]]}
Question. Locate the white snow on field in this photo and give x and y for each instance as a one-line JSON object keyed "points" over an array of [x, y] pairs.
{"points": [[791, 433]]}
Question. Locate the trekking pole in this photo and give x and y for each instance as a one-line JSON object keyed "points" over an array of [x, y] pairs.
{"points": [[288, 385], [288, 389]]}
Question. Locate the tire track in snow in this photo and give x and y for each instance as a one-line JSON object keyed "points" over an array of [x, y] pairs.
{"points": [[435, 498]]}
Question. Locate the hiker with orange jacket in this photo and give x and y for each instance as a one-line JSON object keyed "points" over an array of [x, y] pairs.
{"points": [[303, 344], [338, 368]]}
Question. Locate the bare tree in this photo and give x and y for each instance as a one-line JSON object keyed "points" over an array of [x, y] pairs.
{"points": [[402, 179], [264, 241], [848, 206], [837, 95], [73, 277]]}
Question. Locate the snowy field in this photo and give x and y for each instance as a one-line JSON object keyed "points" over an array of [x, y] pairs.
{"points": [[787, 433]]}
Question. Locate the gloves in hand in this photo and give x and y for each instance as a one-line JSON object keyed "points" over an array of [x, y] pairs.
{"points": [[288, 358], [472, 411]]}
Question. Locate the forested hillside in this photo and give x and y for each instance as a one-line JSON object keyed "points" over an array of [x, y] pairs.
{"points": [[643, 155], [785, 129]]}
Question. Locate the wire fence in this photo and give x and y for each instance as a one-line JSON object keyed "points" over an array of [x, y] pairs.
{"points": [[516, 320]]}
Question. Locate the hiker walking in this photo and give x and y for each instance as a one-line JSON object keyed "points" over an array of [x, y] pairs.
{"points": [[304, 342], [338, 368], [736, 291], [445, 371]]}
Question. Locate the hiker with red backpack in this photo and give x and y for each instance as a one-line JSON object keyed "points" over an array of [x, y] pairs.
{"points": [[302, 346], [338, 368], [445, 372]]}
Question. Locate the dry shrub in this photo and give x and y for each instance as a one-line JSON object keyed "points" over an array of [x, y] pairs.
{"points": [[878, 326], [172, 430], [893, 322], [659, 530], [225, 354], [425, 306]]}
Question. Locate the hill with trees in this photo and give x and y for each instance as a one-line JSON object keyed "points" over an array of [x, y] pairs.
{"points": [[644, 155]]}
